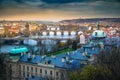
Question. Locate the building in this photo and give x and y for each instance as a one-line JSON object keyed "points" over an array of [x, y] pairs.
{"points": [[2, 30], [14, 28], [82, 39], [53, 28], [24, 65]]}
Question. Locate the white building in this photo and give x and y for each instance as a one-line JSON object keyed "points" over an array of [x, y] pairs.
{"points": [[82, 39]]}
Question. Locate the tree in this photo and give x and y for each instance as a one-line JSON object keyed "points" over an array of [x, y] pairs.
{"points": [[74, 45], [89, 73], [106, 67], [74, 75], [2, 68], [62, 44], [108, 64], [69, 42]]}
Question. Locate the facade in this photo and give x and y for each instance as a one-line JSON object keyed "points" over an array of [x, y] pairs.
{"points": [[22, 71], [14, 28], [2, 30], [53, 28]]}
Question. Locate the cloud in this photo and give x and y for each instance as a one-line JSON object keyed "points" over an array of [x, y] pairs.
{"points": [[62, 1], [63, 8], [74, 1], [47, 3]]}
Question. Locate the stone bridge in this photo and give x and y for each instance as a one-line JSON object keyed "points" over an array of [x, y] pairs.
{"points": [[56, 33]]}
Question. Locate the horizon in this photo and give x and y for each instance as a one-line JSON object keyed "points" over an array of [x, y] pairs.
{"points": [[61, 20]]}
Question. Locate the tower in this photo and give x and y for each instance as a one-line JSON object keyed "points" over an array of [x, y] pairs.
{"points": [[82, 39]]}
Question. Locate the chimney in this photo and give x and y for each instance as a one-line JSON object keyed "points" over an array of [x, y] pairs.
{"points": [[63, 60]]}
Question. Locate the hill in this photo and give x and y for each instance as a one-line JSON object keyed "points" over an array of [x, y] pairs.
{"points": [[91, 20]]}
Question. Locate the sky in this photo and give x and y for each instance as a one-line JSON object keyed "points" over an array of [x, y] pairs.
{"points": [[56, 10]]}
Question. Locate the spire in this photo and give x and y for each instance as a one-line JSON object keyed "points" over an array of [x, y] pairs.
{"points": [[99, 26]]}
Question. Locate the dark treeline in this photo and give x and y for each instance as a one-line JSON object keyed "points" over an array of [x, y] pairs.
{"points": [[107, 67]]}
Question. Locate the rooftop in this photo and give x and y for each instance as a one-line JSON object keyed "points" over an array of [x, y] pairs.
{"points": [[69, 60]]}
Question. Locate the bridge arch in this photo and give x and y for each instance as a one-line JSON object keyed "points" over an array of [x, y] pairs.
{"points": [[58, 33], [65, 33], [44, 33], [51, 33], [72, 33]]}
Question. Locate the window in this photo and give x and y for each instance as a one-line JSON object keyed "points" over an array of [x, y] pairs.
{"points": [[19, 67], [95, 33], [103, 33], [61, 74], [27, 68], [45, 71], [23, 67], [31, 69], [40, 70], [50, 72], [56, 73], [10, 66], [28, 75], [23, 74], [36, 70]]}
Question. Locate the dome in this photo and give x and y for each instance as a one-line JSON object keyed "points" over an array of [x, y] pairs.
{"points": [[18, 50], [99, 34]]}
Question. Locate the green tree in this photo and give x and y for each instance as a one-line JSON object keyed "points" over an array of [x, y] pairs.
{"points": [[69, 42], [106, 68], [89, 73], [74, 45], [75, 75]]}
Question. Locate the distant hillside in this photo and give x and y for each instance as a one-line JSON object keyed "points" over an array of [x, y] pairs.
{"points": [[44, 22], [38, 22], [92, 20]]}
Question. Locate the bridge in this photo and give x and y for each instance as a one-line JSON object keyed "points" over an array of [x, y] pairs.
{"points": [[39, 38], [48, 34], [56, 33]]}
